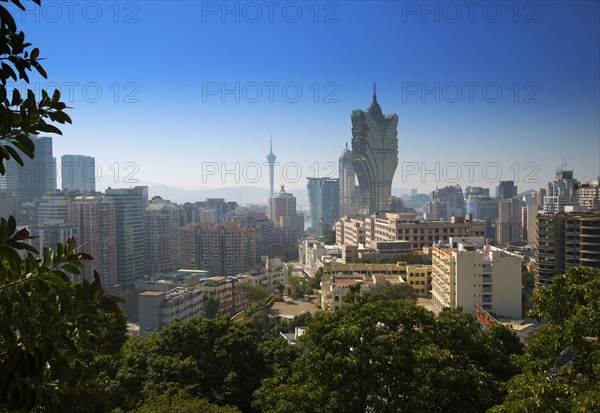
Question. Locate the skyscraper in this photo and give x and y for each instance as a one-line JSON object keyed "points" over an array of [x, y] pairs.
{"points": [[324, 198], [36, 177], [347, 183], [562, 191], [374, 156], [271, 160], [95, 219], [130, 205], [506, 190], [508, 224], [78, 173]]}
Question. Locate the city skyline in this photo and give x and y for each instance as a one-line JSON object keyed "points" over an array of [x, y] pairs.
{"points": [[545, 66]]}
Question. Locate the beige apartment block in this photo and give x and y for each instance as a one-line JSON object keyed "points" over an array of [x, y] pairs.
{"points": [[400, 226], [472, 274]]}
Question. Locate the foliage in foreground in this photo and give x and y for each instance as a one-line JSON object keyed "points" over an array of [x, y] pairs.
{"points": [[52, 330], [561, 366], [218, 360], [393, 356]]}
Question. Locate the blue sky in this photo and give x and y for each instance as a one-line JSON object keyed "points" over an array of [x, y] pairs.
{"points": [[513, 87]]}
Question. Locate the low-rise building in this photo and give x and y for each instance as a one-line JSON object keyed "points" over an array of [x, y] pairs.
{"points": [[338, 277], [160, 308], [401, 226]]}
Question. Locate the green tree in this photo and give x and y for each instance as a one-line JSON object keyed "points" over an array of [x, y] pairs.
{"points": [[252, 294], [561, 365], [211, 306], [52, 331], [315, 282], [397, 292], [181, 402], [391, 356], [214, 359]]}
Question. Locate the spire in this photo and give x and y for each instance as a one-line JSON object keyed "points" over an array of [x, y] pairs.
{"points": [[271, 146], [375, 109]]}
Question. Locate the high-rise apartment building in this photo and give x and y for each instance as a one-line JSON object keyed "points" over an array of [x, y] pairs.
{"points": [[509, 225], [162, 236], [324, 198], [36, 178], [347, 178], [226, 249], [374, 156], [94, 216], [283, 211], [469, 274], [78, 173], [588, 195], [565, 240], [130, 204]]}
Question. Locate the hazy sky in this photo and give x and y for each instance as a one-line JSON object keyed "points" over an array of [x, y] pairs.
{"points": [[180, 92]]}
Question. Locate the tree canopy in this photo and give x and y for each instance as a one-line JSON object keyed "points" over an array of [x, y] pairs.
{"points": [[393, 356], [561, 365]]}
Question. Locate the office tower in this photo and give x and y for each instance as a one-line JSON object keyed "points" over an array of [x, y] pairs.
{"points": [[162, 236], [78, 173], [561, 192], [508, 224], [477, 192], [447, 202], [271, 160], [54, 208], [347, 184], [10, 205], [95, 217], [413, 192], [588, 195], [487, 210], [324, 197], [36, 177], [130, 204], [374, 156], [506, 190]]}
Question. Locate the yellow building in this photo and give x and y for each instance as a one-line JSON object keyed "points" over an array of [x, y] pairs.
{"points": [[338, 277]]}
